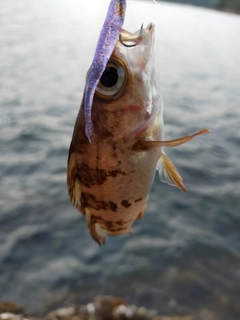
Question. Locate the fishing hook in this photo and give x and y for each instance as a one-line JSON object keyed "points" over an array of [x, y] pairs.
{"points": [[126, 45]]}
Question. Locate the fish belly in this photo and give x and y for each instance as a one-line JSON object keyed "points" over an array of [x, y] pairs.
{"points": [[109, 183]]}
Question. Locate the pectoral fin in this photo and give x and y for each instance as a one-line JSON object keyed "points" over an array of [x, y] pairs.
{"points": [[168, 172], [143, 145]]}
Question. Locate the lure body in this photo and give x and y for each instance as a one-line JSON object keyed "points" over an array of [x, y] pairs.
{"points": [[107, 40], [109, 178]]}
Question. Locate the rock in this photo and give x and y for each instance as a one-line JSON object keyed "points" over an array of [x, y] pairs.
{"points": [[101, 308], [62, 314], [11, 316], [8, 306]]}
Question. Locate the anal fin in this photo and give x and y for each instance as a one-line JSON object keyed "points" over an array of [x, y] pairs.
{"points": [[168, 172]]}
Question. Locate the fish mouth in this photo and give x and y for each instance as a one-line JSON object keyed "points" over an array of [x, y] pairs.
{"points": [[129, 39]]}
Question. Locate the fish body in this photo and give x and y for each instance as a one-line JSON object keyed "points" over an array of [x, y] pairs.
{"points": [[110, 175], [108, 180]]}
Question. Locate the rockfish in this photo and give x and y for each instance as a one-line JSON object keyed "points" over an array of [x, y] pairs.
{"points": [[117, 142]]}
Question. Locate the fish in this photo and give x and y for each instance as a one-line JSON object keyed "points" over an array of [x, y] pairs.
{"points": [[118, 139]]}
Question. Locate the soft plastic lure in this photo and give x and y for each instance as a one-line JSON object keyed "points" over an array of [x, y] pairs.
{"points": [[108, 38]]}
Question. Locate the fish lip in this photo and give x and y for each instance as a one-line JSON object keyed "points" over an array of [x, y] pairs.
{"points": [[151, 27]]}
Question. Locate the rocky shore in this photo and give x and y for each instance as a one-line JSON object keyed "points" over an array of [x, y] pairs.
{"points": [[101, 308]]}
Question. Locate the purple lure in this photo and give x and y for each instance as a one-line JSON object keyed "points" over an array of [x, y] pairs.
{"points": [[108, 38]]}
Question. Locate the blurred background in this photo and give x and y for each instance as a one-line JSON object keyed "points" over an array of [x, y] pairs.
{"points": [[226, 5], [184, 255]]}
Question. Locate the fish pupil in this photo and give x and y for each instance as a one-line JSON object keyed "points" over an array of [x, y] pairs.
{"points": [[109, 77]]}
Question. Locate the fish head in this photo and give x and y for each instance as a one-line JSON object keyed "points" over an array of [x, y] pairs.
{"points": [[127, 96]]}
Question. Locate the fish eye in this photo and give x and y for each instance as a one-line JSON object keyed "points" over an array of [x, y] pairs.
{"points": [[113, 80]]}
